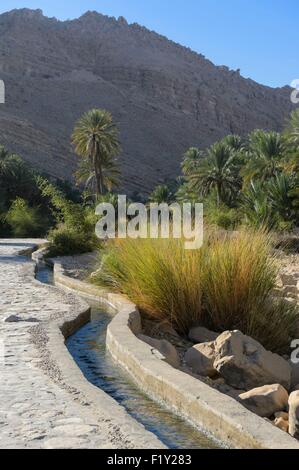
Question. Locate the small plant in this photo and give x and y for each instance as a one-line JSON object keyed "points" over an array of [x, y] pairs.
{"points": [[25, 221], [66, 241], [75, 231], [222, 216]]}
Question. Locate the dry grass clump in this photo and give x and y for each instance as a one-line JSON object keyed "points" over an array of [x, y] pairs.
{"points": [[225, 285]]}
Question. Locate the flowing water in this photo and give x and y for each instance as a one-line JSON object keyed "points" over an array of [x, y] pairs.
{"points": [[88, 348]]}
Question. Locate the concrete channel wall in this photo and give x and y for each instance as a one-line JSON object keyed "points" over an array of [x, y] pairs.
{"points": [[201, 405], [99, 402]]}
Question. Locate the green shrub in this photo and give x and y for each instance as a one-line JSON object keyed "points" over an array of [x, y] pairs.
{"points": [[67, 241], [227, 284], [75, 231], [222, 216], [25, 221]]}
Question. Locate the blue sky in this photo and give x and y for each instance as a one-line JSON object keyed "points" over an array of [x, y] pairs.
{"points": [[257, 36]]}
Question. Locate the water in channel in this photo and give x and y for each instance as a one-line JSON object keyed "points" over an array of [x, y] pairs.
{"points": [[88, 348]]}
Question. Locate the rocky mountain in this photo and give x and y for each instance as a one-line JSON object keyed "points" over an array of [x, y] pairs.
{"points": [[164, 97]]}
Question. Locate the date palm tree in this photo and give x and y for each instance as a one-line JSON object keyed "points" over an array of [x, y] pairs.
{"points": [[6, 164], [283, 194], [86, 174], [191, 160], [161, 194], [292, 137], [264, 155], [95, 138], [215, 171], [292, 131]]}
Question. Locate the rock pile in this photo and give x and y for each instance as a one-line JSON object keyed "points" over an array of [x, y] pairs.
{"points": [[262, 378]]}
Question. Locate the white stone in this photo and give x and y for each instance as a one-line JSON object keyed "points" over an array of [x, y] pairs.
{"points": [[294, 414], [245, 364], [167, 350], [266, 401], [199, 334], [200, 358]]}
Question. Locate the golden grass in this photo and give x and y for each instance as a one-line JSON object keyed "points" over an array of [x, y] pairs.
{"points": [[225, 285]]}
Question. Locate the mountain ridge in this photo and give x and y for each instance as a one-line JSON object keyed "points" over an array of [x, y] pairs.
{"points": [[164, 96]]}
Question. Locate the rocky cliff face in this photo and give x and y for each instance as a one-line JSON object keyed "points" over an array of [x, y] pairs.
{"points": [[164, 97]]}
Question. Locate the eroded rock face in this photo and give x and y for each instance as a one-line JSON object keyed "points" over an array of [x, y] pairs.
{"points": [[266, 401], [200, 358], [153, 87], [294, 414], [167, 350], [245, 364], [199, 334]]}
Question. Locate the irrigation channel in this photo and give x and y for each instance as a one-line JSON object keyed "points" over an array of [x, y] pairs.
{"points": [[88, 348]]}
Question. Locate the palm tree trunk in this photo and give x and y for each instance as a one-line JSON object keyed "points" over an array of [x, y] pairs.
{"points": [[99, 177], [102, 187]]}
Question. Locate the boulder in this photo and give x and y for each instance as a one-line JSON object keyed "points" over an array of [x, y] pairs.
{"points": [[294, 414], [282, 414], [199, 334], [294, 375], [245, 364], [165, 348], [200, 359], [265, 401], [281, 424]]}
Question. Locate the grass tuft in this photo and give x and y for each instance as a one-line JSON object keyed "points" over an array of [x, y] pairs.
{"points": [[225, 285]]}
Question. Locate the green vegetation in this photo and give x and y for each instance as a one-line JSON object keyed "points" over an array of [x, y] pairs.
{"points": [[253, 181], [249, 184], [19, 193], [161, 194], [227, 284], [25, 221], [33, 206], [74, 229], [95, 138]]}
